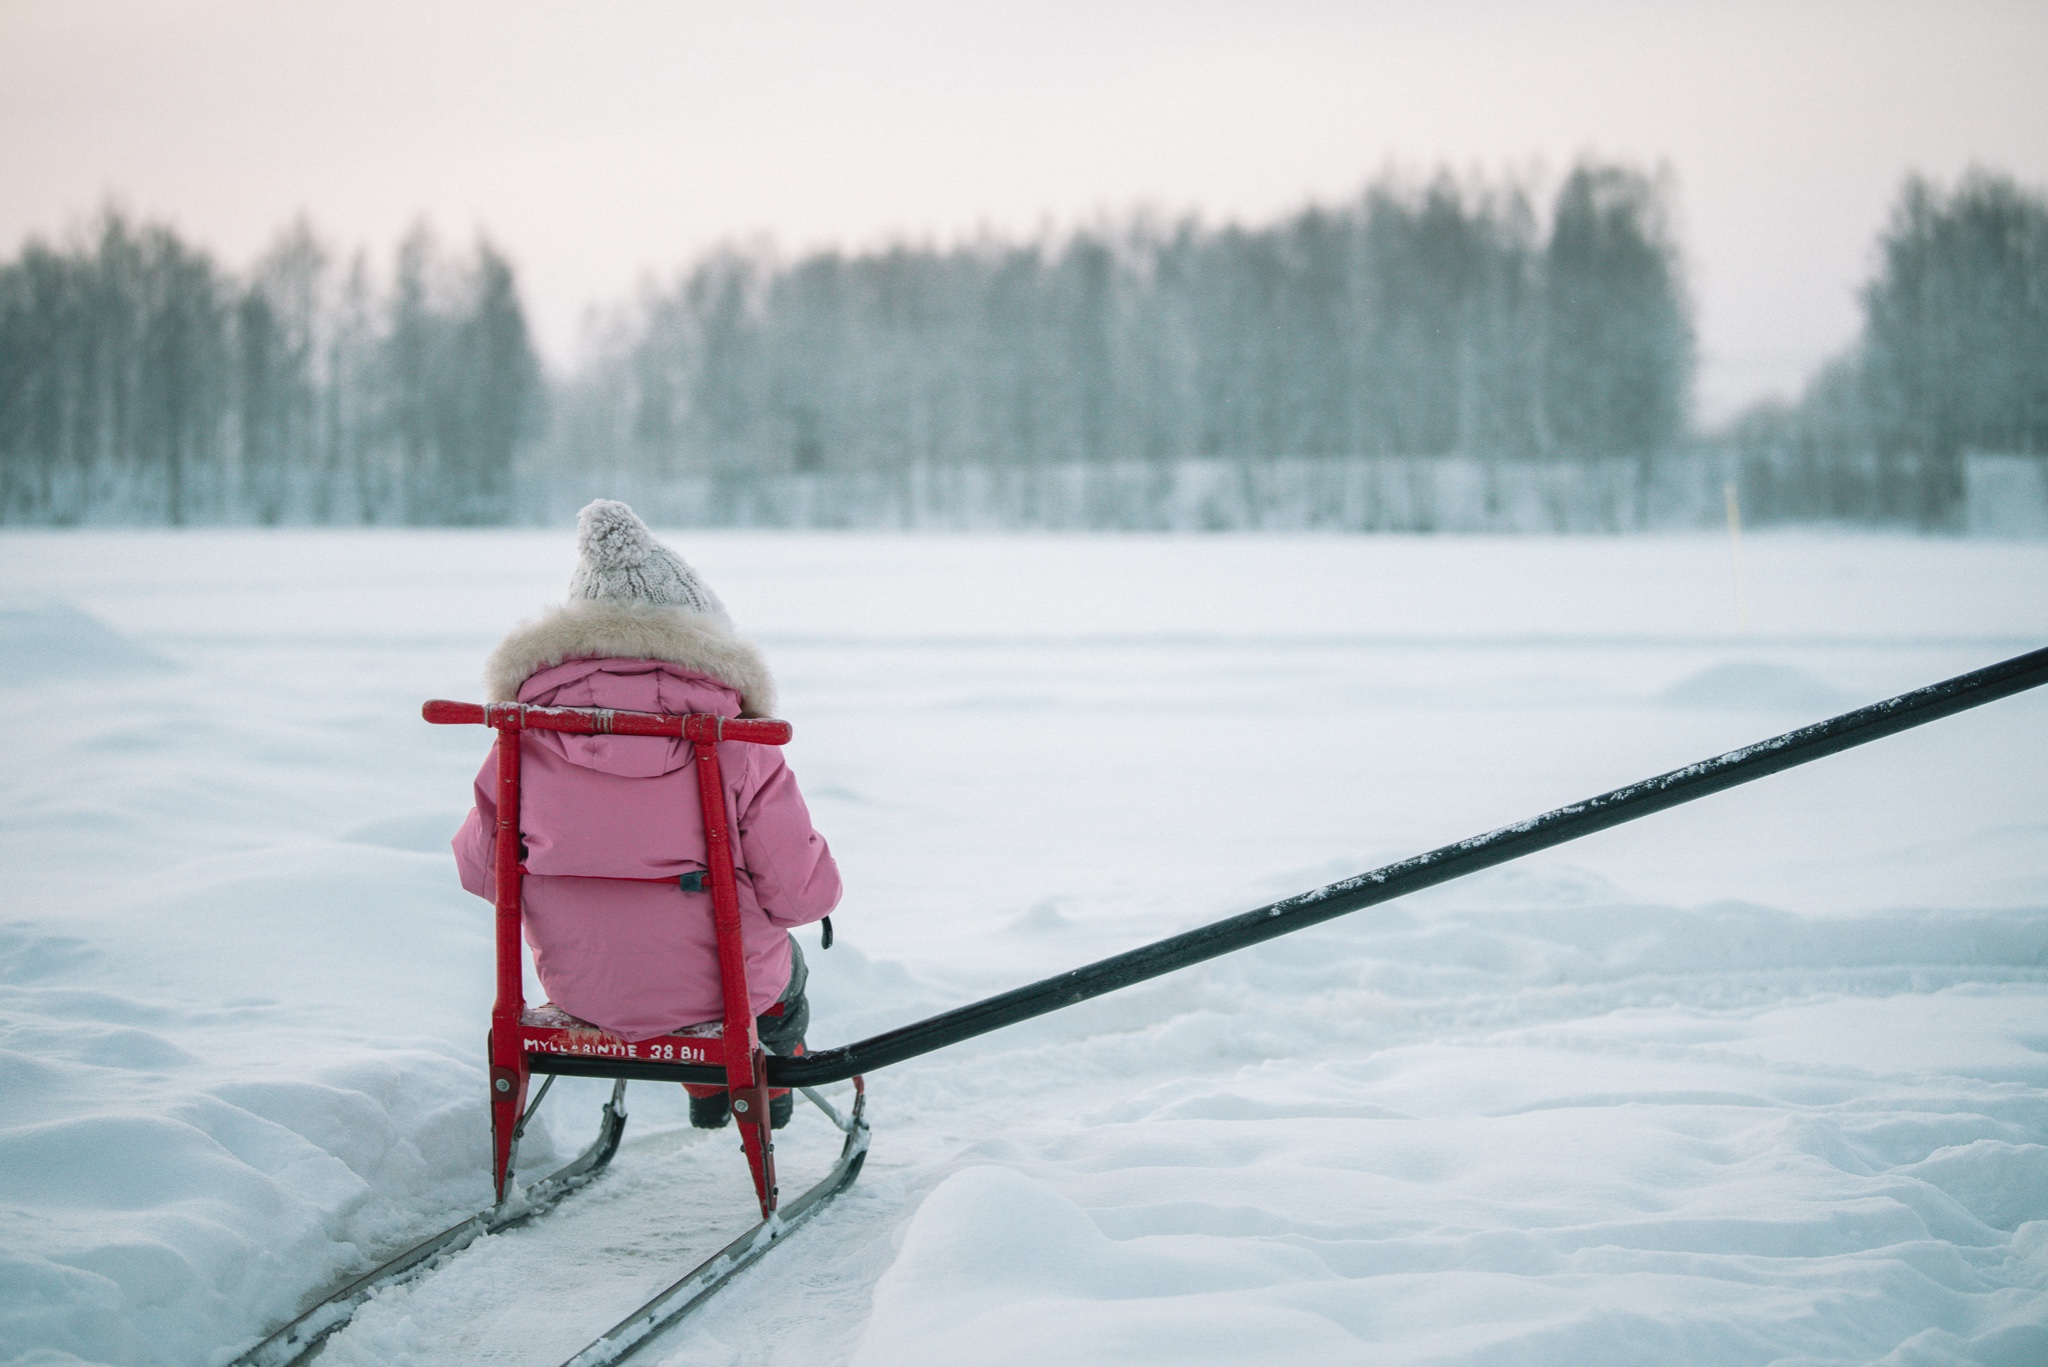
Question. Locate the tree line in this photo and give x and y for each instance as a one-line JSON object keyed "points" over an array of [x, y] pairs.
{"points": [[1952, 359], [1417, 320], [140, 382], [1312, 369]]}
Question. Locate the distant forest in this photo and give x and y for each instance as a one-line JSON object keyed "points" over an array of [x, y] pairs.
{"points": [[1953, 359], [1430, 354], [142, 383]]}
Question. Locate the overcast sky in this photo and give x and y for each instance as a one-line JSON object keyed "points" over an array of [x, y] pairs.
{"points": [[598, 142]]}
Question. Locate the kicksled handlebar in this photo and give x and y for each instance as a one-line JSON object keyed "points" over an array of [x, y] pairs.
{"points": [[604, 721], [1694, 781]]}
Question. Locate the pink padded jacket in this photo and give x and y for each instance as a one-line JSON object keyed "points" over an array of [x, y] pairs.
{"points": [[640, 959]]}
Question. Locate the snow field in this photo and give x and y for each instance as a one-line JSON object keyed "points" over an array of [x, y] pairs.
{"points": [[1764, 1079]]}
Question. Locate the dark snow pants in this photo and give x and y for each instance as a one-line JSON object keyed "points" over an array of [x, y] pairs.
{"points": [[781, 1027]]}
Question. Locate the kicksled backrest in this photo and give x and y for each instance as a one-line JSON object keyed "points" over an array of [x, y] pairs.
{"points": [[745, 1063]]}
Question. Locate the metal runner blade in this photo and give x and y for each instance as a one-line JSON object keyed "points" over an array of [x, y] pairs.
{"points": [[693, 1289], [299, 1338]]}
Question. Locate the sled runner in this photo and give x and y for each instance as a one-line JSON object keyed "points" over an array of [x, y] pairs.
{"points": [[332, 1312], [547, 1041]]}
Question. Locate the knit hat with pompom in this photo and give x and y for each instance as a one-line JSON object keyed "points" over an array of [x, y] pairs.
{"points": [[619, 559]]}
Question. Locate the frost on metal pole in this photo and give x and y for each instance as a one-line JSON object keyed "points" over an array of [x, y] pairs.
{"points": [[1637, 800]]}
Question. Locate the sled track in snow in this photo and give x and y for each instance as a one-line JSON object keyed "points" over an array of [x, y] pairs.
{"points": [[305, 1336]]}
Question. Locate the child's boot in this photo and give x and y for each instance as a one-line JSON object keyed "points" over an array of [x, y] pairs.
{"points": [[711, 1107]]}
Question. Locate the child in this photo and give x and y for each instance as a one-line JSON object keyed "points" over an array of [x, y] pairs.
{"points": [[603, 816]]}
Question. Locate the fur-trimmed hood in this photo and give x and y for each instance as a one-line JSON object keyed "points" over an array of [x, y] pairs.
{"points": [[606, 628]]}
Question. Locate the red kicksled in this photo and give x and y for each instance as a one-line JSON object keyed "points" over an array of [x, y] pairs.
{"points": [[515, 1045], [552, 1043], [524, 1042]]}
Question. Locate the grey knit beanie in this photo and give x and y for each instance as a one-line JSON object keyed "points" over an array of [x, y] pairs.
{"points": [[619, 559]]}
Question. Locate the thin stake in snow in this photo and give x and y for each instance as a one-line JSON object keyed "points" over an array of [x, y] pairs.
{"points": [[1735, 554]]}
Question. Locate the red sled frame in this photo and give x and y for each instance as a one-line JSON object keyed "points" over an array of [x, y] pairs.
{"points": [[519, 1049]]}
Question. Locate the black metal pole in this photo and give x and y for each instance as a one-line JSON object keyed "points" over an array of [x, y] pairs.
{"points": [[1694, 781]]}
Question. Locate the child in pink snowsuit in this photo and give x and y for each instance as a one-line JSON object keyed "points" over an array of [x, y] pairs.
{"points": [[641, 632]]}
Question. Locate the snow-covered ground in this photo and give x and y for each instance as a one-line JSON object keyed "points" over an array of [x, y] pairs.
{"points": [[1761, 1080]]}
